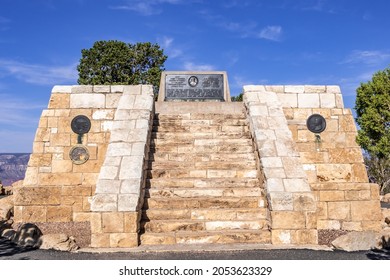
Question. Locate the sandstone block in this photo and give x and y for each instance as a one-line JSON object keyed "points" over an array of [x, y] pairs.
{"points": [[81, 217], [104, 202], [112, 222], [281, 201], [288, 100], [59, 214], [131, 167], [359, 172], [131, 222], [37, 160], [101, 88], [305, 236], [294, 89], [258, 110], [123, 240], [332, 196], [281, 237], [93, 100], [100, 240], [304, 202], [334, 172], [61, 166], [274, 185], [327, 101], [339, 211], [308, 100], [358, 195], [34, 214], [96, 223], [108, 186], [59, 101], [355, 241], [253, 88], [82, 89], [108, 173], [296, 185], [37, 196], [328, 224], [112, 99], [103, 114], [128, 202], [288, 220], [352, 226], [365, 211], [61, 89], [55, 179]]}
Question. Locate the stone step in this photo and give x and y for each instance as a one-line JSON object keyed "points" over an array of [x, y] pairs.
{"points": [[199, 128], [202, 142], [203, 203], [201, 135], [199, 157], [221, 237], [190, 148], [240, 214], [203, 183], [202, 173], [203, 192], [208, 165], [200, 122], [198, 116], [159, 226]]}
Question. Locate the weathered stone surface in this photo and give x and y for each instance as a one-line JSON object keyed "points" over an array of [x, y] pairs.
{"points": [[365, 211], [112, 222], [288, 220], [94, 100], [355, 241], [60, 242], [6, 207]]}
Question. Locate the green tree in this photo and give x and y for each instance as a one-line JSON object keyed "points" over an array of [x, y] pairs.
{"points": [[237, 98], [115, 62], [373, 117]]}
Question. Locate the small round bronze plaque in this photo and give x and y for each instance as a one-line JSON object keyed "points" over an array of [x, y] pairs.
{"points": [[81, 124], [79, 154], [316, 123], [193, 81]]}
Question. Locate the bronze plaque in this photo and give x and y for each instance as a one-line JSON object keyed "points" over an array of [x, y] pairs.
{"points": [[316, 123], [194, 87], [81, 124], [79, 154]]}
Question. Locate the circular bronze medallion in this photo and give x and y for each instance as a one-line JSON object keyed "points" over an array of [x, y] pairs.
{"points": [[316, 123], [79, 154], [193, 81], [81, 124]]}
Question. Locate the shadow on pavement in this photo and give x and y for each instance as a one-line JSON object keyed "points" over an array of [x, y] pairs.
{"points": [[377, 254], [7, 248]]}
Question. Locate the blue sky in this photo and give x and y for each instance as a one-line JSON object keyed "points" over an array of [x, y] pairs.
{"points": [[340, 42]]}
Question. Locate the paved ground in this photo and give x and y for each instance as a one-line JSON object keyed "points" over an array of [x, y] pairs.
{"points": [[9, 251]]}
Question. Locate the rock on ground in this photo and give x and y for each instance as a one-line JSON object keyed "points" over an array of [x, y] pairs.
{"points": [[59, 241], [6, 207], [356, 241]]}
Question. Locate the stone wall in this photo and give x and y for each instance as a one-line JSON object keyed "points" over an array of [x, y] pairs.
{"points": [[56, 190], [334, 165], [291, 201]]}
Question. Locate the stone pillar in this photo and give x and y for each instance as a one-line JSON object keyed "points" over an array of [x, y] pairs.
{"points": [[292, 204], [118, 199]]}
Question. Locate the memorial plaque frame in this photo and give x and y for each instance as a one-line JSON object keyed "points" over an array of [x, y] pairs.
{"points": [[194, 86]]}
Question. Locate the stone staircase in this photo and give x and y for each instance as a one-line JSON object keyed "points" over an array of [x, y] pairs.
{"points": [[203, 184]]}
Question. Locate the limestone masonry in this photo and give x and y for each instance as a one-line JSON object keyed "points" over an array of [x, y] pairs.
{"points": [[198, 172]]}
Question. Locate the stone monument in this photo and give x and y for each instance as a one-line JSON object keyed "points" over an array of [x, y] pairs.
{"points": [[277, 168]]}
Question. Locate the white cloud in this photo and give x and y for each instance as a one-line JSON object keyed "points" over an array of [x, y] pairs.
{"points": [[172, 51], [39, 74], [367, 57], [190, 66], [272, 32], [145, 7], [18, 112]]}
